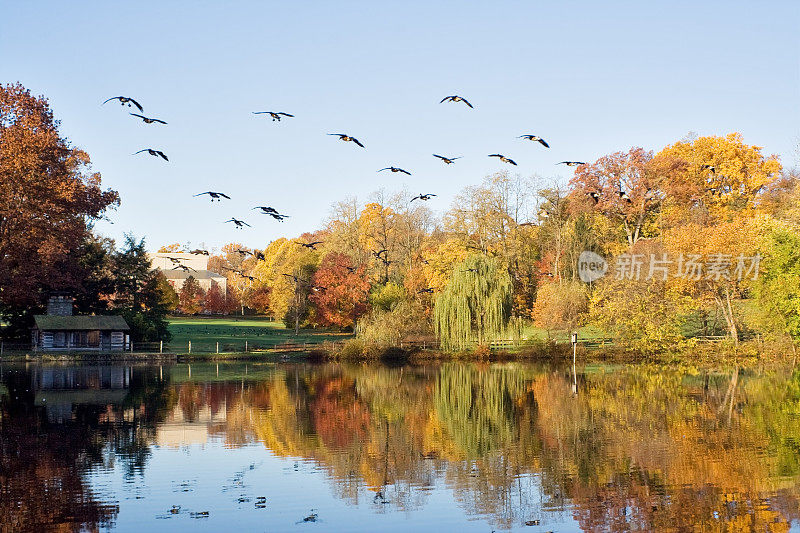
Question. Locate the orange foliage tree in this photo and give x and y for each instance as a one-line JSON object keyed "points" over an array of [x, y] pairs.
{"points": [[342, 291], [48, 199]]}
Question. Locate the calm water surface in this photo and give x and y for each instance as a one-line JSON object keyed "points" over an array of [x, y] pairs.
{"points": [[450, 447]]}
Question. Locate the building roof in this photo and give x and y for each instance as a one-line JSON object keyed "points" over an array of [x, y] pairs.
{"points": [[80, 323], [196, 274]]}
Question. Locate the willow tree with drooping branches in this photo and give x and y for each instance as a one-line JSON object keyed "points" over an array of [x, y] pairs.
{"points": [[475, 306]]}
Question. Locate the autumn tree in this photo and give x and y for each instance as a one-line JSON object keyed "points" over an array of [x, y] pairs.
{"points": [[623, 186], [777, 288], [475, 306], [258, 298], [342, 290], [191, 297], [720, 176], [214, 300], [561, 306], [49, 198]]}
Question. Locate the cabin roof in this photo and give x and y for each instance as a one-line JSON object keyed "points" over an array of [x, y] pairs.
{"points": [[80, 323]]}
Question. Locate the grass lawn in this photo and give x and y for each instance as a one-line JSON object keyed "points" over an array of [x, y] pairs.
{"points": [[585, 333], [232, 332]]}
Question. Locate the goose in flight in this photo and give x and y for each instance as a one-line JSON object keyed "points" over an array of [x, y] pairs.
{"points": [[395, 169], [241, 252], [455, 98], [184, 268], [276, 116], [379, 252], [239, 223], [345, 137], [594, 196], [447, 160], [278, 216], [309, 245], [175, 260], [530, 137], [429, 290], [423, 197], [296, 279], [471, 270], [126, 100], [259, 256], [199, 252], [148, 120], [156, 153], [215, 195], [504, 159], [624, 196], [266, 209], [571, 163]]}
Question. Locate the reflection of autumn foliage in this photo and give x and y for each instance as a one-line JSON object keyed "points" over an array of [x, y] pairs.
{"points": [[635, 449], [339, 418]]}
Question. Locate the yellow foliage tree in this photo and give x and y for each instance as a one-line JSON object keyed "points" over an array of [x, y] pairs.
{"points": [[720, 174]]}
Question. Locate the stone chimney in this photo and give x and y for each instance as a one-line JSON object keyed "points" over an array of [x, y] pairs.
{"points": [[59, 305]]}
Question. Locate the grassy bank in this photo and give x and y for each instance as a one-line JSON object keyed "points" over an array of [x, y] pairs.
{"points": [[232, 333]]}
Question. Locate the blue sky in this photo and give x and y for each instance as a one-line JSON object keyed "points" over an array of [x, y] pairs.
{"points": [[590, 77]]}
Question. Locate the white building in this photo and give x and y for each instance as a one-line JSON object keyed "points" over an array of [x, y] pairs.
{"points": [[172, 265]]}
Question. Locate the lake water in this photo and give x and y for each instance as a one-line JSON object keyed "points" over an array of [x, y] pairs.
{"points": [[447, 447]]}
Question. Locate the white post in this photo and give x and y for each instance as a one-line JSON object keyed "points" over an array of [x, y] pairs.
{"points": [[190, 346], [160, 346], [245, 346], [574, 373], [217, 346]]}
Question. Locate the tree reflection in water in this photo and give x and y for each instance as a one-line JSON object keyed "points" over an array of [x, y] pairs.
{"points": [[637, 448]]}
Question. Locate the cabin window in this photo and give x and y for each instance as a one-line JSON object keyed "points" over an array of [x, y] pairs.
{"points": [[59, 339]]}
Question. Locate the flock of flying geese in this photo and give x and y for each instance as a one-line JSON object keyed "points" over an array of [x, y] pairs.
{"points": [[272, 212]]}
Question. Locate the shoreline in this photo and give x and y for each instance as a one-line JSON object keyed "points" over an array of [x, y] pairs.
{"points": [[705, 358]]}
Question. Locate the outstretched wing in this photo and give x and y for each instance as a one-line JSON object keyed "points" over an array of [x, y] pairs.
{"points": [[140, 151], [356, 141], [114, 98], [140, 116], [285, 114], [387, 168], [260, 112], [224, 195], [158, 120], [544, 143], [446, 98], [163, 155], [202, 193], [134, 102], [465, 101], [404, 171]]}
